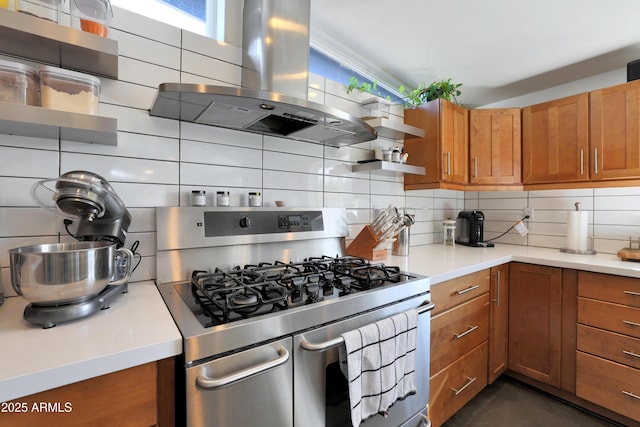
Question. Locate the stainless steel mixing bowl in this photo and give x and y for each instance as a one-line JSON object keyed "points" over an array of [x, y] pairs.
{"points": [[66, 272]]}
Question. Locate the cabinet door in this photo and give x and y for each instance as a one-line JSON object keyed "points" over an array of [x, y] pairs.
{"points": [[426, 151], [494, 146], [535, 322], [499, 321], [615, 132], [454, 125], [555, 141]]}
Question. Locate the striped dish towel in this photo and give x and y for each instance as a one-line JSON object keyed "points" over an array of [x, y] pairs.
{"points": [[378, 360]]}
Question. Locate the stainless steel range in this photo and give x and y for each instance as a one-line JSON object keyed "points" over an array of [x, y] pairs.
{"points": [[261, 297]]}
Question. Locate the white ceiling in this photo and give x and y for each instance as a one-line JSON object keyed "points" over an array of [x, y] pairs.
{"points": [[498, 49]]}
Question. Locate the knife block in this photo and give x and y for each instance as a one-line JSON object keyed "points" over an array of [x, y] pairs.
{"points": [[362, 246]]}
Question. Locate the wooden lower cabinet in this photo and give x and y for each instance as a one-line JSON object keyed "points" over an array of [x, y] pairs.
{"points": [[608, 356], [542, 323], [138, 396], [609, 384], [499, 322], [451, 388], [459, 343]]}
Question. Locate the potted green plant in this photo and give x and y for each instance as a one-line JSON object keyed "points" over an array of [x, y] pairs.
{"points": [[373, 107], [444, 89]]}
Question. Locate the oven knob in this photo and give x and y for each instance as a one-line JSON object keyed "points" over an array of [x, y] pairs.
{"points": [[245, 222]]}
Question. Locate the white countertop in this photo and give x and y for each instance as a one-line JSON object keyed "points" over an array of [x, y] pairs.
{"points": [[442, 263], [136, 329]]}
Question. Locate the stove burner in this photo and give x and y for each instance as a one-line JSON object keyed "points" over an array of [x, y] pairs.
{"points": [[242, 292]]}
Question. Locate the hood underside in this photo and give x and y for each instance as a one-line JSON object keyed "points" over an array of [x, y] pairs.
{"points": [[260, 112]]}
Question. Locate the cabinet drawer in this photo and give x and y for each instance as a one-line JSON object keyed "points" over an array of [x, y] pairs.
{"points": [[608, 384], [455, 291], [609, 316], [610, 345], [605, 287], [458, 330], [453, 387]]}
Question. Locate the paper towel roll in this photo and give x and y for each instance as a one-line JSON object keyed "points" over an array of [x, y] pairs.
{"points": [[577, 223]]}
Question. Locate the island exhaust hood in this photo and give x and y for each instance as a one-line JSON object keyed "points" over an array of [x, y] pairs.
{"points": [[273, 96]]}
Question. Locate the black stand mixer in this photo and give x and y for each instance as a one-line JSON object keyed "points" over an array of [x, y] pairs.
{"points": [[102, 219]]}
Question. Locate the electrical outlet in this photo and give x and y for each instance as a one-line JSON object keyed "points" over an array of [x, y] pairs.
{"points": [[530, 212]]}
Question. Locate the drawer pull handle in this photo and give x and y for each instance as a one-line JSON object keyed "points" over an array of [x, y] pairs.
{"points": [[468, 331], [469, 289], [634, 294], [628, 393], [630, 353], [469, 382], [629, 322]]}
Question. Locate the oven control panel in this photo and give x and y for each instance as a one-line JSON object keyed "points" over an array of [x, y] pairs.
{"points": [[294, 222], [243, 223]]}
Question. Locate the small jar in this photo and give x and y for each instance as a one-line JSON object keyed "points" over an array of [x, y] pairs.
{"points": [[255, 199], [395, 156], [222, 198], [198, 198], [449, 227]]}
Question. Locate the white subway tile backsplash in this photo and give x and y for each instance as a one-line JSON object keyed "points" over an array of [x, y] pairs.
{"points": [[28, 163], [16, 191], [292, 198], [290, 146], [136, 195], [126, 94], [122, 169], [346, 200], [28, 142], [209, 47], [145, 73], [146, 50], [214, 175], [26, 222], [346, 185], [292, 181], [217, 154], [133, 23], [131, 145], [292, 163], [209, 67], [138, 121]]}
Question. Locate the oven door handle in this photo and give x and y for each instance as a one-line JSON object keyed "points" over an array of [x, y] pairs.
{"points": [[326, 345], [214, 383]]}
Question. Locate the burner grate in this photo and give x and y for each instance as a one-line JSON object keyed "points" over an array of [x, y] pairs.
{"points": [[255, 289]]}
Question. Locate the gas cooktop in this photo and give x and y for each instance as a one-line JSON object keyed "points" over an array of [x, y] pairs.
{"points": [[225, 296]]}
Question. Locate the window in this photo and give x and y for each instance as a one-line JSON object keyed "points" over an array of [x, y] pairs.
{"points": [[204, 17]]}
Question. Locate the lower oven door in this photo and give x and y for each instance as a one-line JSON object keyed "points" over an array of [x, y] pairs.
{"points": [[249, 387], [320, 388]]}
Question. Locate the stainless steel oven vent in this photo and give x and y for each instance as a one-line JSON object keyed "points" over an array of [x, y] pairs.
{"points": [[273, 96]]}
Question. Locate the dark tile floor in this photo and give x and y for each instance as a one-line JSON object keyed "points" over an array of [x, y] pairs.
{"points": [[508, 402]]}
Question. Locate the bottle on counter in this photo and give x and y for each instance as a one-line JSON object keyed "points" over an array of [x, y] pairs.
{"points": [[222, 198], [255, 199]]}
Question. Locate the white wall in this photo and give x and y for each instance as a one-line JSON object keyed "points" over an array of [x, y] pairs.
{"points": [[157, 162]]}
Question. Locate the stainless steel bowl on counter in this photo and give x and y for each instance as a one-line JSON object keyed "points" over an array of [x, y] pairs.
{"points": [[61, 273]]}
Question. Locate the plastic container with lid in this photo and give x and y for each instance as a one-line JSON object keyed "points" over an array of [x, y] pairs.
{"points": [[69, 90], [45, 9], [92, 16], [19, 84]]}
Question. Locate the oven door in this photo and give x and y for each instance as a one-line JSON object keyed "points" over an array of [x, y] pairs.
{"points": [[320, 388], [249, 387]]}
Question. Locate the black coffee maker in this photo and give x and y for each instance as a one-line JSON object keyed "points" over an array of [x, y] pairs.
{"points": [[470, 229]]}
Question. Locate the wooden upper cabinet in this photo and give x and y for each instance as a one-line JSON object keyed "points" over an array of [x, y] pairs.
{"points": [[555, 141], [494, 146], [444, 150], [615, 132]]}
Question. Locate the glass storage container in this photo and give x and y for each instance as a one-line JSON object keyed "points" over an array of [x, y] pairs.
{"points": [[69, 90], [92, 16], [45, 9], [19, 84]]}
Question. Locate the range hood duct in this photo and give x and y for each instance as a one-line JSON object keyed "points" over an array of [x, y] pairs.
{"points": [[273, 96]]}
